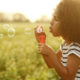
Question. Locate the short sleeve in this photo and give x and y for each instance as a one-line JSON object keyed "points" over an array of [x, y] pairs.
{"points": [[74, 49]]}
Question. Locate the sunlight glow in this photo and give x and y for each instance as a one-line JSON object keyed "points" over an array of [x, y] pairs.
{"points": [[33, 9]]}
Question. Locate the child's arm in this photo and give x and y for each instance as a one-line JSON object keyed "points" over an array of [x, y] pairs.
{"points": [[66, 72], [48, 62]]}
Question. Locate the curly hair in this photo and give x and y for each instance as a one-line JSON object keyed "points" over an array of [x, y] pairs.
{"points": [[69, 16]]}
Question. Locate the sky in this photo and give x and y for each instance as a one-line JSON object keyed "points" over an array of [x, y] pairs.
{"points": [[32, 9]]}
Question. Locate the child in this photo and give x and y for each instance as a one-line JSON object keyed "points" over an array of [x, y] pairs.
{"points": [[65, 23]]}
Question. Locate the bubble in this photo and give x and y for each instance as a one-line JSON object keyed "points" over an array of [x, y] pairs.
{"points": [[11, 32], [39, 30], [6, 26], [28, 31], [1, 36]]}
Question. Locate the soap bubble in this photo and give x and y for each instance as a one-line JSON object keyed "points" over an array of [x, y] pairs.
{"points": [[1, 35], [11, 32], [6, 26], [39, 29], [28, 31]]}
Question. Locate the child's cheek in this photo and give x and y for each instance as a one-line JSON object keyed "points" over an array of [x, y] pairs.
{"points": [[55, 29]]}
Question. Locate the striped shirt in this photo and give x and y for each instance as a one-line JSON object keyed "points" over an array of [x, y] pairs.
{"points": [[73, 48]]}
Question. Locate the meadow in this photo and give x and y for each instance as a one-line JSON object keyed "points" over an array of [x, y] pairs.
{"points": [[19, 56]]}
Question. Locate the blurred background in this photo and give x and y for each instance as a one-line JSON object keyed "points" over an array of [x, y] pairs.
{"points": [[19, 57]]}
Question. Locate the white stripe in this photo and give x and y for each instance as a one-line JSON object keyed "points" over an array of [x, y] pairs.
{"points": [[77, 79], [65, 60], [74, 52], [78, 75], [78, 70], [75, 47], [64, 55], [61, 48], [76, 44], [65, 51], [64, 64], [65, 47]]}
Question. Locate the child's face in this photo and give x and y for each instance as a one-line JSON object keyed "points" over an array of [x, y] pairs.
{"points": [[55, 25]]}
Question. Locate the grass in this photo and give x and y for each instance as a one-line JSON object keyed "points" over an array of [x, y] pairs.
{"points": [[19, 58]]}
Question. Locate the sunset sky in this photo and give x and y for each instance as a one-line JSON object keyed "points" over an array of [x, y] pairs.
{"points": [[33, 9]]}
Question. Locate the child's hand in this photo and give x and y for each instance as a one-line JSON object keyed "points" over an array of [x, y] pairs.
{"points": [[44, 49], [39, 34]]}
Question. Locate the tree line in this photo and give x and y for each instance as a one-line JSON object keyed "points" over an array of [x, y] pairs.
{"points": [[19, 17], [16, 17]]}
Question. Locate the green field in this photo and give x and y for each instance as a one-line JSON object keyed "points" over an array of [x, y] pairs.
{"points": [[19, 57]]}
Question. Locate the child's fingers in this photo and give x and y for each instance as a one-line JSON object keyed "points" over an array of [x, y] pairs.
{"points": [[40, 44], [40, 50], [40, 47]]}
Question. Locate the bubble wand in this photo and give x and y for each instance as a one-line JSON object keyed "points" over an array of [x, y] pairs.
{"points": [[41, 37]]}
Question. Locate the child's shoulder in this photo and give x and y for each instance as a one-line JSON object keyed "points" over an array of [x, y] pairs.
{"points": [[72, 48], [72, 44]]}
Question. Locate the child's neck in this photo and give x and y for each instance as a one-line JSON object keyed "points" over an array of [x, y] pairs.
{"points": [[67, 41]]}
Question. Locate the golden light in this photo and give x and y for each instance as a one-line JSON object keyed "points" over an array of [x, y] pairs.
{"points": [[33, 9]]}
